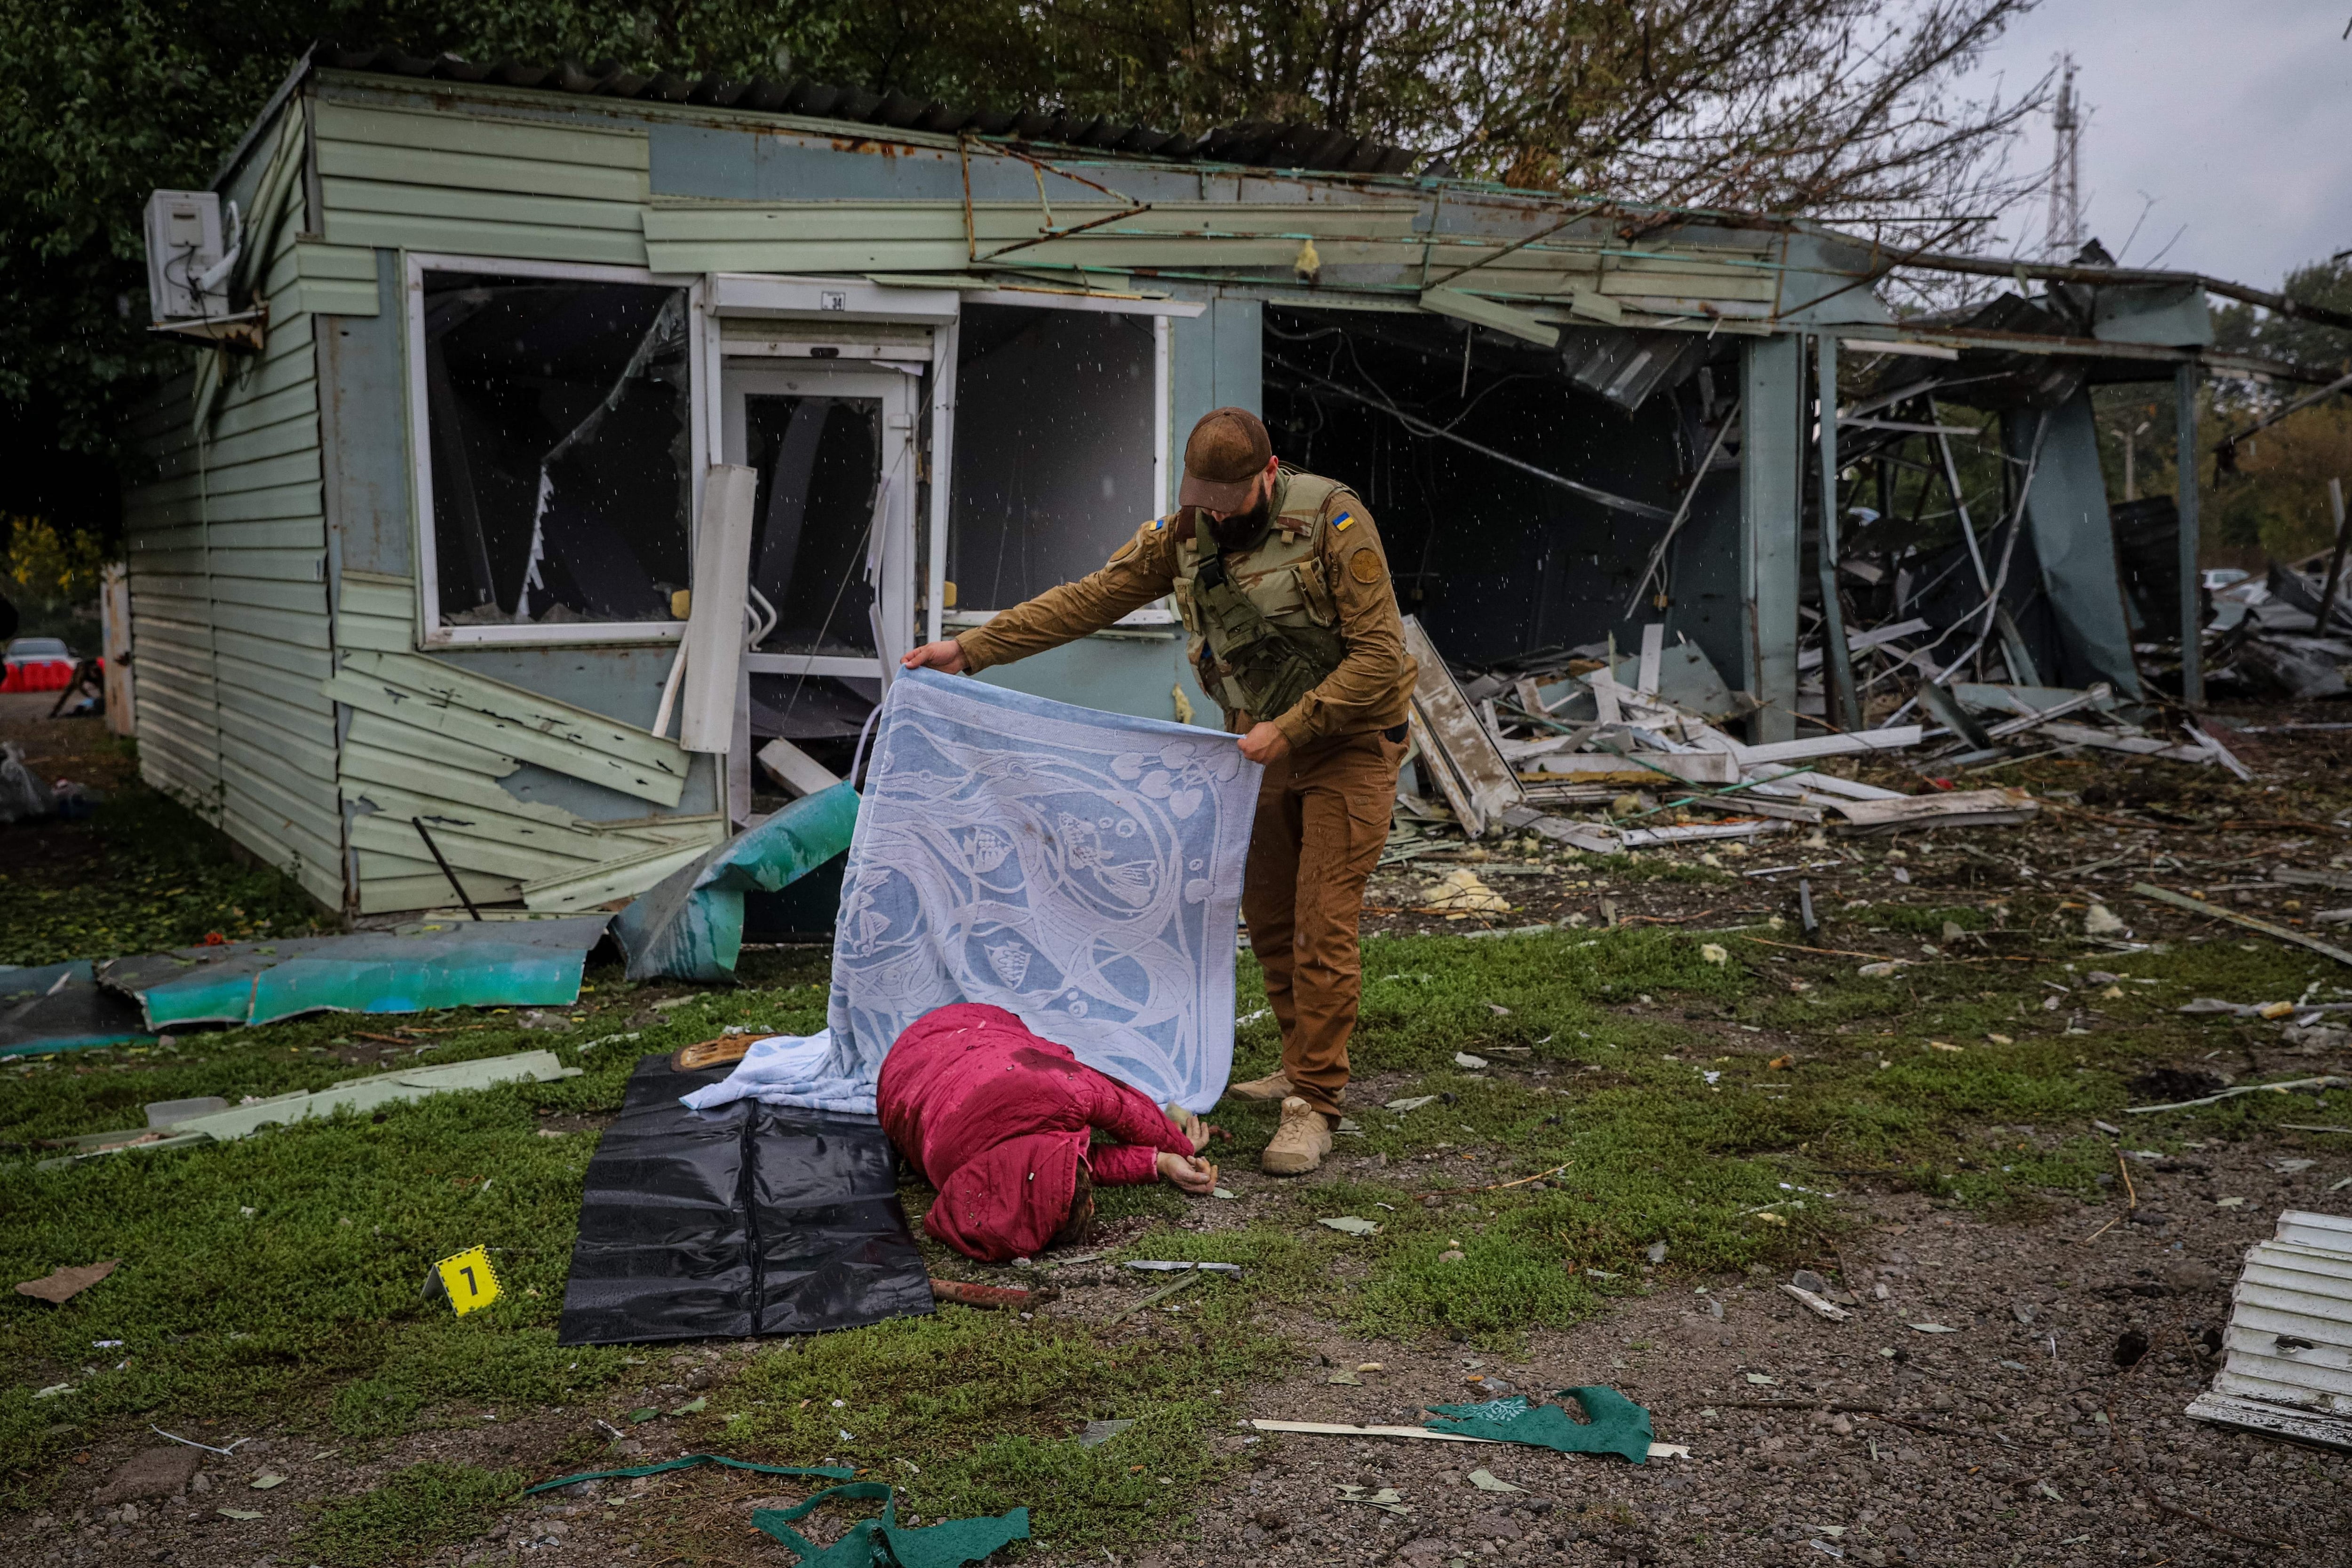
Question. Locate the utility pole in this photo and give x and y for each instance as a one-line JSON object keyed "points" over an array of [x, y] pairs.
{"points": [[2065, 235], [2130, 438]]}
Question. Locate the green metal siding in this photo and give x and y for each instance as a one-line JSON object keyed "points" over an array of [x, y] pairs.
{"points": [[227, 546], [482, 185], [428, 756]]}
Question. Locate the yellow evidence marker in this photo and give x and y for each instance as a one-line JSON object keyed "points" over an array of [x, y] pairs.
{"points": [[470, 1279]]}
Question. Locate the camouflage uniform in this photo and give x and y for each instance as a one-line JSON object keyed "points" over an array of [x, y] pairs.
{"points": [[1317, 574]]}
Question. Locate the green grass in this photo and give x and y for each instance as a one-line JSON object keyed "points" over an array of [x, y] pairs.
{"points": [[418, 1509], [164, 879], [969, 1416], [307, 1312]]}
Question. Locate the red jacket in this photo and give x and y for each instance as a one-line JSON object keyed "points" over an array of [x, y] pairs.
{"points": [[997, 1118]]}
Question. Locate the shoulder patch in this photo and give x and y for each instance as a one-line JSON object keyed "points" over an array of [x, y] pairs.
{"points": [[1343, 521], [1160, 523], [1364, 566]]}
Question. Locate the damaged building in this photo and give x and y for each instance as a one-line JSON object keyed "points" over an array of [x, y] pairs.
{"points": [[424, 527]]}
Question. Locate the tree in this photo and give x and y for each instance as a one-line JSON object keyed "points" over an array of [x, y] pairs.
{"points": [[2242, 329], [1834, 109]]}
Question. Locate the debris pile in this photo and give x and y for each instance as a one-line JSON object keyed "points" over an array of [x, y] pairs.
{"points": [[1607, 754], [2289, 1330], [2268, 636]]}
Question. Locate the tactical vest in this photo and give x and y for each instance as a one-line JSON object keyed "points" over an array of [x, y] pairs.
{"points": [[1264, 627]]}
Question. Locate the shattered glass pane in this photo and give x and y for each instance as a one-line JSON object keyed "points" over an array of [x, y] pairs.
{"points": [[558, 417], [819, 460], [1053, 449]]}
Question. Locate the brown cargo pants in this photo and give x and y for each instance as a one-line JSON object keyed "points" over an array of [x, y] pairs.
{"points": [[1322, 818]]}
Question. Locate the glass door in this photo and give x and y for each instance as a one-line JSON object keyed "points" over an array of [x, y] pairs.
{"points": [[832, 562]]}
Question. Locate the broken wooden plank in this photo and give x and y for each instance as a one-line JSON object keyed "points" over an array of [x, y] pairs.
{"points": [[1749, 803], [1605, 693], [2222, 754], [795, 770], [2195, 906], [1846, 745], [1439, 766], [1949, 808], [1453, 730], [2097, 696], [1560, 829], [1654, 648], [2135, 745], [624, 877], [2273, 1420], [1817, 783], [1342, 1429], [1696, 766], [2339, 880], [1694, 832]]}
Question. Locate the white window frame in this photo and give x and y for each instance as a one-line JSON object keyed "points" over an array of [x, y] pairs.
{"points": [[1164, 313], [434, 632]]}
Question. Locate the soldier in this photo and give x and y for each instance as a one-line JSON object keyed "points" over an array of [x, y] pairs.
{"points": [[1280, 581]]}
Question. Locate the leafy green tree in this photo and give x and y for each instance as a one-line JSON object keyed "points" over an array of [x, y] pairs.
{"points": [[1837, 108], [2243, 329]]}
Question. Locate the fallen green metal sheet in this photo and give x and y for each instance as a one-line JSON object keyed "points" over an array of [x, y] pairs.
{"points": [[1617, 1425], [690, 928], [359, 1095], [199, 984], [59, 1007], [884, 1542], [534, 963]]}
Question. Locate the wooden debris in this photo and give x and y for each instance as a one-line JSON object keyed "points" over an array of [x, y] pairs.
{"points": [[2195, 906], [1471, 772], [1950, 808]]}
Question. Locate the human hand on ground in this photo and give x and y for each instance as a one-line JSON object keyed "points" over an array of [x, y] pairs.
{"points": [[1265, 743], [1190, 1125], [1188, 1174], [945, 655]]}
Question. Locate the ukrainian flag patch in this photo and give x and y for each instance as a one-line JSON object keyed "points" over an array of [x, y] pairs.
{"points": [[1160, 523], [1343, 520]]}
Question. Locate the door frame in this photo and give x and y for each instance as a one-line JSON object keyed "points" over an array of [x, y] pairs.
{"points": [[891, 554]]}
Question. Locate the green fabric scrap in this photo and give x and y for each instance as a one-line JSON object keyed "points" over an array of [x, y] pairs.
{"points": [[881, 1543], [825, 1472], [1618, 1424]]}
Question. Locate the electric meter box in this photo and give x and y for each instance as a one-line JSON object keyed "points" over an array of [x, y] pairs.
{"points": [[183, 241]]}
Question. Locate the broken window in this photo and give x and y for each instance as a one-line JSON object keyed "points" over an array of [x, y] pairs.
{"points": [[560, 447], [819, 459], [1518, 489], [1056, 413]]}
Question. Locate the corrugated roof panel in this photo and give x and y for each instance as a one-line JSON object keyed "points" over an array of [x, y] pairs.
{"points": [[2289, 1366]]}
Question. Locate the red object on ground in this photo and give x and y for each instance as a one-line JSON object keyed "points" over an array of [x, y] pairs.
{"points": [[37, 675], [996, 1118]]}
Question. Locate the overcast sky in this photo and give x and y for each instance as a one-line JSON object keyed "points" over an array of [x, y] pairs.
{"points": [[2236, 117]]}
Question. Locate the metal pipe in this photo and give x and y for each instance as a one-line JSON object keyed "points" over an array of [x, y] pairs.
{"points": [[1837, 663], [2057, 272], [418, 823], [2184, 486]]}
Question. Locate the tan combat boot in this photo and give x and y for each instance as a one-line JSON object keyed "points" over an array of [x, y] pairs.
{"points": [[1274, 1086], [1301, 1142]]}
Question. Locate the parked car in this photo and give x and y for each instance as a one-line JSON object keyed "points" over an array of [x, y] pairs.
{"points": [[37, 665]]}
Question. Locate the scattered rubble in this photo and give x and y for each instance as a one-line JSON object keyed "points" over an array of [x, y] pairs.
{"points": [[1606, 754]]}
